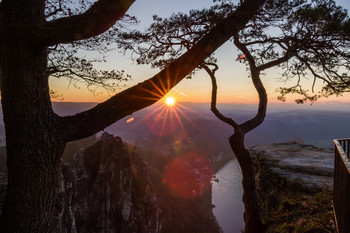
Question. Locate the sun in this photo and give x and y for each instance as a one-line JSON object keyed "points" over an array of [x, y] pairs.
{"points": [[170, 101]]}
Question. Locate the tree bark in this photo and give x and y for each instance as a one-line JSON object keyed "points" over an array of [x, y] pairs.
{"points": [[34, 144], [251, 213]]}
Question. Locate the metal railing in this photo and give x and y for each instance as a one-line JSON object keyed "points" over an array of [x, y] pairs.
{"points": [[341, 190]]}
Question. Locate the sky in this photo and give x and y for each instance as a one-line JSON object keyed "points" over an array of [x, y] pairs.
{"points": [[234, 85]]}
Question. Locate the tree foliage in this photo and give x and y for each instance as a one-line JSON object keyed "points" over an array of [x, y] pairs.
{"points": [[306, 39], [168, 38], [303, 38], [76, 60]]}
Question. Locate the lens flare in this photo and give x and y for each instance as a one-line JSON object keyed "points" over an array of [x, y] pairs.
{"points": [[162, 123], [130, 120], [189, 175]]}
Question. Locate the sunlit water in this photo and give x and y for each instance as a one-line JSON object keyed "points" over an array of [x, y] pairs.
{"points": [[227, 197]]}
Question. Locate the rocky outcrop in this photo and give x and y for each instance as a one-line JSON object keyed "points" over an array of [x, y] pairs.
{"points": [[287, 168], [106, 189], [300, 166]]}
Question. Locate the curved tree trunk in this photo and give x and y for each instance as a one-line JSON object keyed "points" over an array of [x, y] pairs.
{"points": [[252, 219], [251, 212]]}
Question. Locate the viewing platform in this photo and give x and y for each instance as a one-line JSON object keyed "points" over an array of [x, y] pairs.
{"points": [[341, 190]]}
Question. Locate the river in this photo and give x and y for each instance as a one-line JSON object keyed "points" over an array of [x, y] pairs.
{"points": [[227, 198]]}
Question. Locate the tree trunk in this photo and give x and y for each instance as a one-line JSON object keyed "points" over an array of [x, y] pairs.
{"points": [[252, 213], [34, 144]]}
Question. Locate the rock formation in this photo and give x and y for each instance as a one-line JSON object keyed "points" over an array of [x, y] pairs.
{"points": [[287, 168], [302, 167], [106, 189]]}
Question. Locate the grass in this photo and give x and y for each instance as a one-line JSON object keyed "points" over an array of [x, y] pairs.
{"points": [[303, 214]]}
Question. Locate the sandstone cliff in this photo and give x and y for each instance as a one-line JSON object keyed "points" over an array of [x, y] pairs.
{"points": [[287, 169], [106, 189]]}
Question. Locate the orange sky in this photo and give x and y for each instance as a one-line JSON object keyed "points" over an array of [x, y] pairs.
{"points": [[234, 85]]}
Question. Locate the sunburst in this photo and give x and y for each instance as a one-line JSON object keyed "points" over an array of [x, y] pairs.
{"points": [[170, 101]]}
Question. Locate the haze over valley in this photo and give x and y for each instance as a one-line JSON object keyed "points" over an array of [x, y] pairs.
{"points": [[316, 124]]}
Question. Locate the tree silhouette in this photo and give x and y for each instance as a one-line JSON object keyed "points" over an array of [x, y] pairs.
{"points": [[35, 135], [309, 39], [295, 35], [71, 61]]}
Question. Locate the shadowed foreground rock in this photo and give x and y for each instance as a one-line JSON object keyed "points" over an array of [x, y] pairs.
{"points": [[106, 189]]}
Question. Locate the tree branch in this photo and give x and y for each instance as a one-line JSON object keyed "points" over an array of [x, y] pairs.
{"points": [[255, 75], [99, 18], [148, 92], [314, 73], [213, 107], [289, 54], [55, 11]]}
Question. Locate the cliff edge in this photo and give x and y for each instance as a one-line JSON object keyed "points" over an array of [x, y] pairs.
{"points": [[297, 167], [106, 189], [294, 183]]}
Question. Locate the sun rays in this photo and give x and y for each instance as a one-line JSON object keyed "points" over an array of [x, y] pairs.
{"points": [[187, 172]]}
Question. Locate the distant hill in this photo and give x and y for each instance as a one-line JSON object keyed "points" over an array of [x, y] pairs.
{"points": [[317, 124], [317, 128]]}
